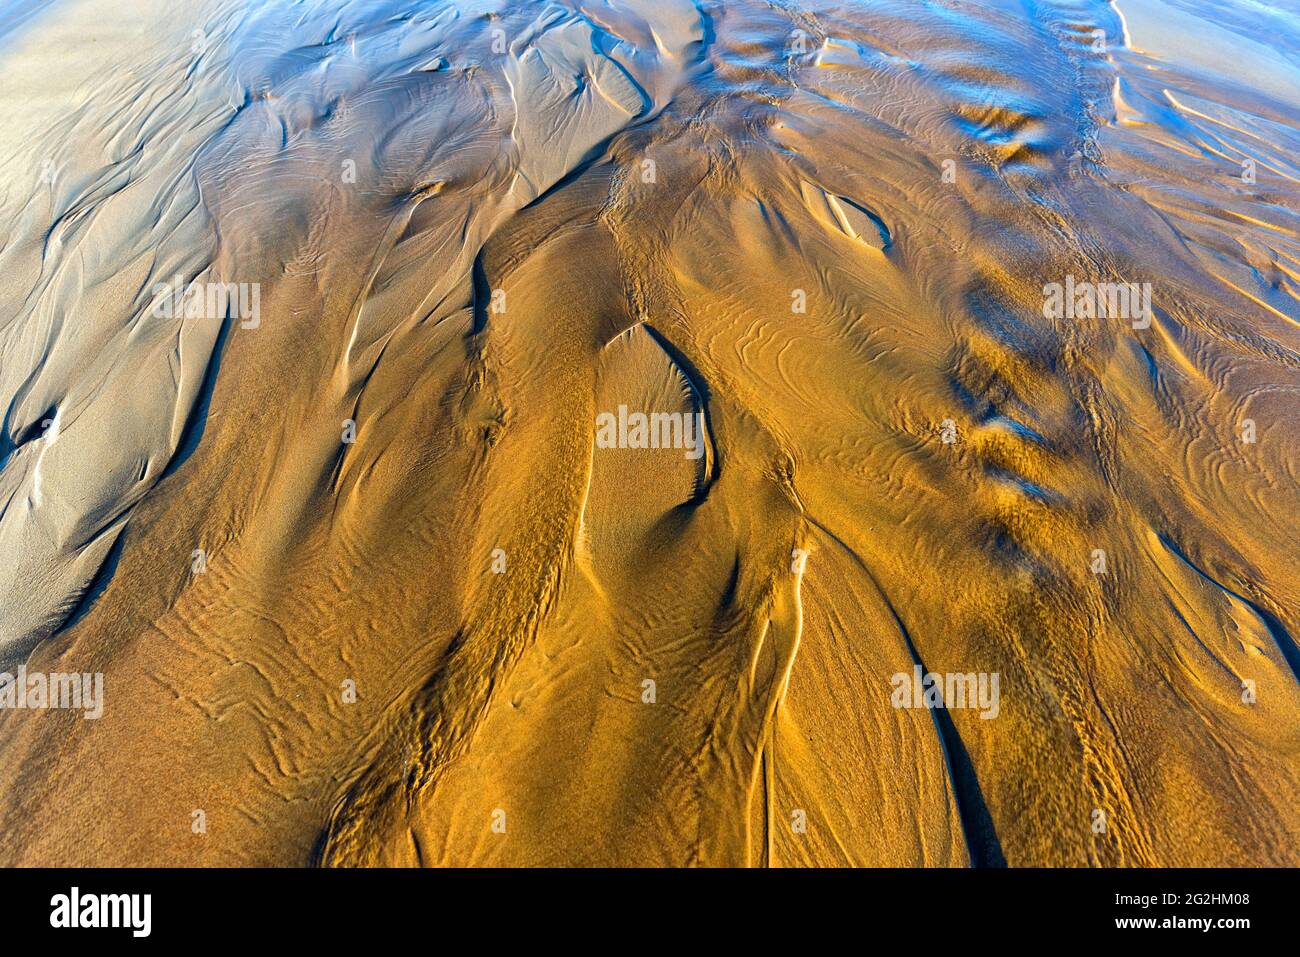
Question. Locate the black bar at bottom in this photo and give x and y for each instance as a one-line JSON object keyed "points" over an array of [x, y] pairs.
{"points": [[556, 907]]}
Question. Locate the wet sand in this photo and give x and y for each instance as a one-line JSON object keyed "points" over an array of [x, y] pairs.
{"points": [[365, 581]]}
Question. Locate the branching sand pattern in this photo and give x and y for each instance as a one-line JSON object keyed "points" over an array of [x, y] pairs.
{"points": [[365, 590]]}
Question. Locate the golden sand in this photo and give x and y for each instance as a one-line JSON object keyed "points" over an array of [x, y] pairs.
{"points": [[370, 580]]}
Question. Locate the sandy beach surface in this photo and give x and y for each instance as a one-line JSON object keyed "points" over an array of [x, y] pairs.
{"points": [[575, 432]]}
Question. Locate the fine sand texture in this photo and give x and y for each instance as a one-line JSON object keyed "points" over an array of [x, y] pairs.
{"points": [[613, 411]]}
